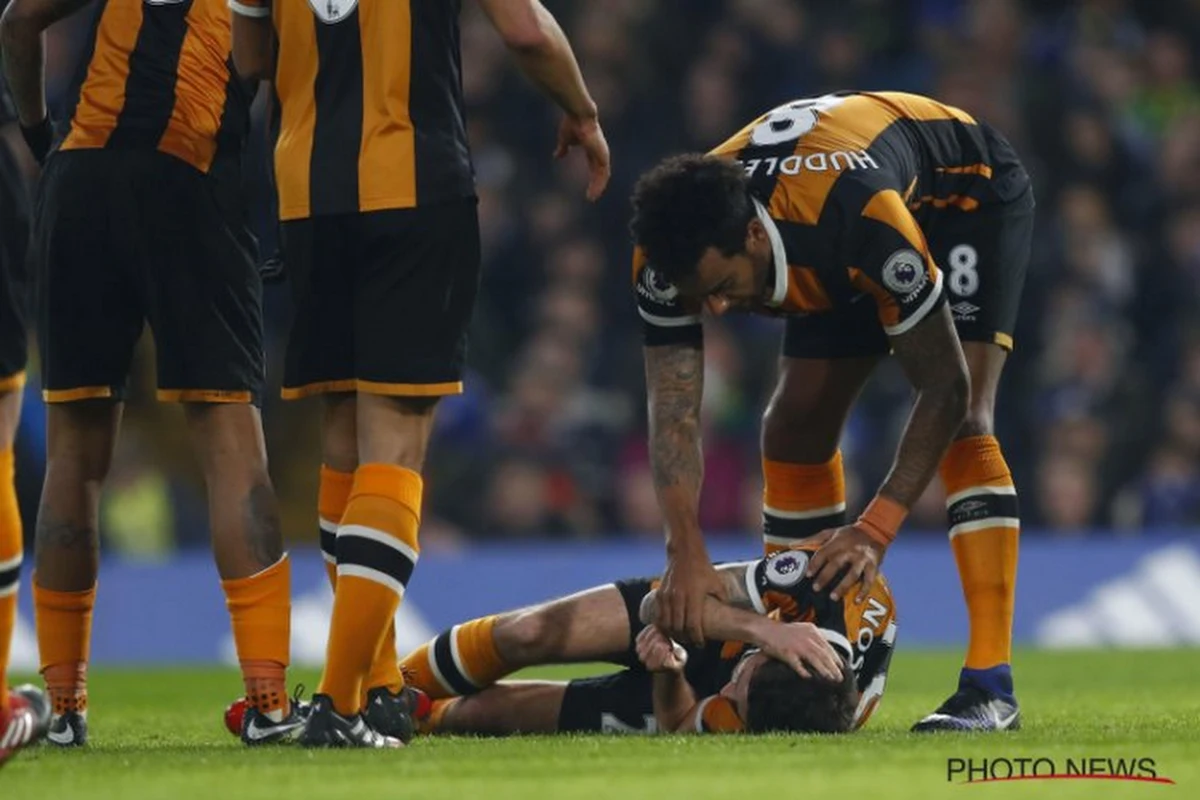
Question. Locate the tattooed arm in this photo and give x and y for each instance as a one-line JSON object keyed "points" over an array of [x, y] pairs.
{"points": [[675, 384], [932, 359], [741, 618]]}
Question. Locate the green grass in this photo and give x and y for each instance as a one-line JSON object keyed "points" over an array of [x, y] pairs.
{"points": [[159, 735]]}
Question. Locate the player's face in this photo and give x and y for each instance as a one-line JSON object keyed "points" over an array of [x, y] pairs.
{"points": [[733, 283], [737, 690]]}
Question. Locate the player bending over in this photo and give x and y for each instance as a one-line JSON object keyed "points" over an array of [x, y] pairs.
{"points": [[784, 656], [852, 215]]}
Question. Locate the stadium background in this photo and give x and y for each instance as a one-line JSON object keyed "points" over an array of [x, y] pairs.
{"points": [[1100, 410]]}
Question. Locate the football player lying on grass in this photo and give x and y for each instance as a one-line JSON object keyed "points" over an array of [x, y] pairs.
{"points": [[786, 658]]}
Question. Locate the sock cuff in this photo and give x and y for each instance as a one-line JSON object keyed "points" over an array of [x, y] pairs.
{"points": [[8, 464], [388, 481], [803, 487], [51, 600], [271, 584], [334, 493], [974, 461]]}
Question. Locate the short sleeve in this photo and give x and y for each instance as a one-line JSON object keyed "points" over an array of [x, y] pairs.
{"points": [[666, 319], [718, 715], [893, 264], [251, 8]]}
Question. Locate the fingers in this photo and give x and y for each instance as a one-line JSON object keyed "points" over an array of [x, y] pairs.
{"points": [[829, 568], [826, 661], [868, 580], [852, 576], [599, 165], [695, 621]]}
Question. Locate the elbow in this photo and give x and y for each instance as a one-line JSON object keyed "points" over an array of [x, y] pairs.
{"points": [[528, 33], [527, 40]]}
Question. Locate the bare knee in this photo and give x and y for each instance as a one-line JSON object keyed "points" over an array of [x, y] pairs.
{"points": [[530, 636], [394, 430], [791, 432]]}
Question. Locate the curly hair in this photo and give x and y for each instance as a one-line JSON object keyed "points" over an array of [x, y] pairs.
{"points": [[780, 700], [686, 205]]}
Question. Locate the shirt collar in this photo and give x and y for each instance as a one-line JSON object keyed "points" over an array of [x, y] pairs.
{"points": [[779, 256]]}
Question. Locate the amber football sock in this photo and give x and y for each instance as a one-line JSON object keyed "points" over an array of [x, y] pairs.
{"points": [[459, 661], [260, 612], [377, 550], [801, 500], [64, 634], [334, 497], [10, 565], [981, 504]]}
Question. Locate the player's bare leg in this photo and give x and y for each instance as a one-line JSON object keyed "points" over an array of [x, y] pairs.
{"points": [[377, 550], [25, 711], [386, 709], [80, 437], [592, 625], [248, 547], [504, 709], [984, 531], [805, 491]]}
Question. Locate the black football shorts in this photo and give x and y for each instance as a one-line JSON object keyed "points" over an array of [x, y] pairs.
{"points": [[14, 240], [983, 255], [382, 300], [122, 238]]}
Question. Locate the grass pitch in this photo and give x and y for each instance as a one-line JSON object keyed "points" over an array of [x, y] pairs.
{"points": [[159, 735]]}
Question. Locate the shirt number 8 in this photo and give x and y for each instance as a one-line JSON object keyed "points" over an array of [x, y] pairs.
{"points": [[964, 272]]}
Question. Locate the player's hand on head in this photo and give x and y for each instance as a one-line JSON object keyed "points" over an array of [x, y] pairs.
{"points": [[659, 653], [851, 552], [801, 646], [586, 134], [686, 585]]}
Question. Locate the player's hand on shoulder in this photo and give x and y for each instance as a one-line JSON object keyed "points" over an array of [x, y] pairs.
{"points": [[586, 134], [658, 653], [849, 551], [802, 647], [686, 585]]}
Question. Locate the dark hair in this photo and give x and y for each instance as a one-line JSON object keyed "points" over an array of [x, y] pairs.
{"points": [[687, 204], [780, 700]]}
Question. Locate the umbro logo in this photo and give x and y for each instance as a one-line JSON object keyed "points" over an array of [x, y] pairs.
{"points": [[965, 311]]}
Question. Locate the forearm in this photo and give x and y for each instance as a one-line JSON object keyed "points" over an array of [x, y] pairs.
{"points": [[932, 359], [22, 40], [674, 379], [673, 700], [548, 60], [936, 417]]}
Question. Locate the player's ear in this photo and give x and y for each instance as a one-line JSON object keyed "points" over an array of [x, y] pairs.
{"points": [[756, 234]]}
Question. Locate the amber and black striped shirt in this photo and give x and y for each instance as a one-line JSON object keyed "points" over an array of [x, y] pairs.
{"points": [[843, 184], [370, 103], [159, 76]]}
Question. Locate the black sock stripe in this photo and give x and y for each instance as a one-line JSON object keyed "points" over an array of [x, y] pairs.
{"points": [[800, 528], [329, 543], [10, 577], [374, 555], [983, 506], [445, 662]]}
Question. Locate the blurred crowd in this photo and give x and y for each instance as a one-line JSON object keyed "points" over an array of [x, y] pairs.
{"points": [[1100, 408]]}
